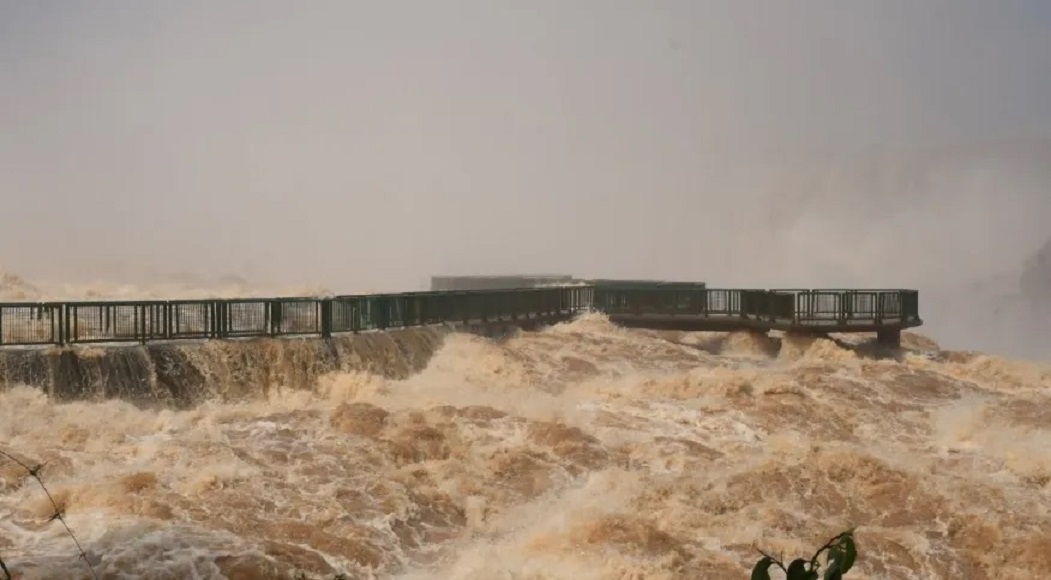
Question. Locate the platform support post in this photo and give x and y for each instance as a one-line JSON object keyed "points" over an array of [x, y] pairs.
{"points": [[889, 337]]}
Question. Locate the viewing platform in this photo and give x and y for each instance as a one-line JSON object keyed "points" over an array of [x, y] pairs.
{"points": [[688, 306], [811, 312]]}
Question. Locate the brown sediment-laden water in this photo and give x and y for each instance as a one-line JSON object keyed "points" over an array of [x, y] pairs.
{"points": [[582, 451]]}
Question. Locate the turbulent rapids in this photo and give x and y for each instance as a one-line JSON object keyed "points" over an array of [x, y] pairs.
{"points": [[580, 451]]}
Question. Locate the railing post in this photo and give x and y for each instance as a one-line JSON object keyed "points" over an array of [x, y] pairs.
{"points": [[216, 314], [140, 322], [224, 319], [326, 318], [166, 308], [278, 316]]}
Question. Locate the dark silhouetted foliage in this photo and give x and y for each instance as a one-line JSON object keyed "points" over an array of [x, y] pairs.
{"points": [[841, 554]]}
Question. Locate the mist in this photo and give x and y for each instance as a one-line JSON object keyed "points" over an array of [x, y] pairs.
{"points": [[366, 146]]}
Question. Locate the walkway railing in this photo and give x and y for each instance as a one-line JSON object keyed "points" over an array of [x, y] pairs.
{"points": [[61, 323], [795, 307]]}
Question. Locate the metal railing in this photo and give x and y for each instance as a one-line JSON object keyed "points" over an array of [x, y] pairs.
{"points": [[61, 323], [795, 307]]}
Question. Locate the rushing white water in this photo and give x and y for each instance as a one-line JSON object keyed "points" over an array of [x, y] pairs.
{"points": [[582, 451]]}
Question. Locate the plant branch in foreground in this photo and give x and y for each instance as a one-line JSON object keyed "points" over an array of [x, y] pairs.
{"points": [[57, 514], [841, 556]]}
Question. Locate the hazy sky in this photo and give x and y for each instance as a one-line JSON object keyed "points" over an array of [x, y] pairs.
{"points": [[369, 145]]}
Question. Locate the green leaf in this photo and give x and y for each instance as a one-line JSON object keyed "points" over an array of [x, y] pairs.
{"points": [[797, 570], [834, 572], [850, 554], [762, 569]]}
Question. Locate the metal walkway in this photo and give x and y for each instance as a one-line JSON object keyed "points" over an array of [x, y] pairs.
{"points": [[884, 312], [656, 305]]}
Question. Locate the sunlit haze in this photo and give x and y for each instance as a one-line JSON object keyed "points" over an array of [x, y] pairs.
{"points": [[366, 146]]}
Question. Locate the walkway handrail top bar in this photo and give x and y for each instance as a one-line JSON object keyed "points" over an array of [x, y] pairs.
{"points": [[796, 290], [143, 302], [421, 293]]}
